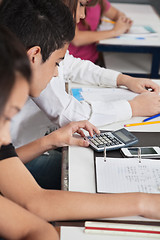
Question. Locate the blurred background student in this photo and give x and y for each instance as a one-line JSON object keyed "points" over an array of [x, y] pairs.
{"points": [[84, 42]]}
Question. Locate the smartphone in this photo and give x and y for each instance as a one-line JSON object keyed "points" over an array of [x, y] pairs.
{"points": [[146, 152]]}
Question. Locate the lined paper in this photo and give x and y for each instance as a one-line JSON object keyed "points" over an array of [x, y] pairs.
{"points": [[120, 175]]}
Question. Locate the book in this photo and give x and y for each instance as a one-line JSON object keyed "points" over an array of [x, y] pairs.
{"points": [[122, 229], [80, 233]]}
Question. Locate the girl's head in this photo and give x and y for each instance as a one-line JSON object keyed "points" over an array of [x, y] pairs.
{"points": [[15, 77], [77, 7]]}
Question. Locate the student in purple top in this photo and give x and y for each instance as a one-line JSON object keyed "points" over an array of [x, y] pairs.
{"points": [[84, 42]]}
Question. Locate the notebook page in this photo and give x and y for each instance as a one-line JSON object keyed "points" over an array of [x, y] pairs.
{"points": [[119, 175], [107, 94]]}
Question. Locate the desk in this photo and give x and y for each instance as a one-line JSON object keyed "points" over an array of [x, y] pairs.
{"points": [[79, 161], [142, 15]]}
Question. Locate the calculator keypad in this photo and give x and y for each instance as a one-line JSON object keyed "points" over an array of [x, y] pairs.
{"points": [[104, 139]]}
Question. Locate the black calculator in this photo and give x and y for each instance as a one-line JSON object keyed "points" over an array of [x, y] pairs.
{"points": [[112, 140]]}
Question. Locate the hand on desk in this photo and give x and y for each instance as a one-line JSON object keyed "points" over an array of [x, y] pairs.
{"points": [[137, 85], [64, 136], [145, 104], [122, 26]]}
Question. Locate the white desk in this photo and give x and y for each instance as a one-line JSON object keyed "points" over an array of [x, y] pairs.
{"points": [[144, 55], [80, 165]]}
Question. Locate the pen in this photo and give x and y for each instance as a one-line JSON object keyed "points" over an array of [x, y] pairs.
{"points": [[108, 21], [147, 119], [130, 37], [142, 123]]}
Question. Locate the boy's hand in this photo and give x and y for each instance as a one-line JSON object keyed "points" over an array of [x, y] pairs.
{"points": [[64, 136], [145, 104], [140, 85], [137, 85]]}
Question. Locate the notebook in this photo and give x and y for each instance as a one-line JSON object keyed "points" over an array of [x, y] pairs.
{"points": [[121, 175]]}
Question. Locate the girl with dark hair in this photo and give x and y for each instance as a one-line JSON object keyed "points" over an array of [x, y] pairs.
{"points": [[15, 221]]}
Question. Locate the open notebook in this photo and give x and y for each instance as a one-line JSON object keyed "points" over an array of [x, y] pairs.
{"points": [[120, 175]]}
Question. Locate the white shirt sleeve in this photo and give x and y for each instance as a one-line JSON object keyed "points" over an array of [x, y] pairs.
{"points": [[61, 108], [86, 72]]}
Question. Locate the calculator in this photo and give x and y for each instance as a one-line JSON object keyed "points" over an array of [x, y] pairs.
{"points": [[112, 140]]}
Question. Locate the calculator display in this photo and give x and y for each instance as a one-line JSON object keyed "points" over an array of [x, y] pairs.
{"points": [[122, 136]]}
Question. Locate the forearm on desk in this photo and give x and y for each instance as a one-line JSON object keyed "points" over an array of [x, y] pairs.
{"points": [[54, 205], [88, 37], [62, 205]]}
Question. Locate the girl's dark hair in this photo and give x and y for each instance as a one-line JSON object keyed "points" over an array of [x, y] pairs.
{"points": [[13, 60], [72, 5], [45, 23]]}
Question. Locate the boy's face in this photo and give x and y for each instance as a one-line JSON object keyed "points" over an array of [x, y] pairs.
{"points": [[43, 72]]}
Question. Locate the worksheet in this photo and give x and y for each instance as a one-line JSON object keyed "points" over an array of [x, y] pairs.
{"points": [[102, 94], [120, 175]]}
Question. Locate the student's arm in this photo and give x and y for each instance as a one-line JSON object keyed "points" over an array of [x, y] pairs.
{"points": [[18, 223], [59, 138], [17, 184], [87, 37], [114, 14], [86, 72], [138, 85]]}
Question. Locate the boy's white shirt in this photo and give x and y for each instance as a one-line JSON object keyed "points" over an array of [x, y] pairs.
{"points": [[61, 108]]}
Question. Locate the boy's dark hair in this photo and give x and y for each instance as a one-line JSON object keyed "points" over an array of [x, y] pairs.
{"points": [[13, 60], [45, 23]]}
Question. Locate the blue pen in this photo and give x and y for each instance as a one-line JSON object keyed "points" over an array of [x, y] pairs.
{"points": [[147, 119], [130, 37]]}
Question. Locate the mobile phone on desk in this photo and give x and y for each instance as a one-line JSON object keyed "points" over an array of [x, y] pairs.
{"points": [[146, 152], [111, 140]]}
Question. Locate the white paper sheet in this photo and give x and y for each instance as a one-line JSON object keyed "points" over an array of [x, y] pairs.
{"points": [[119, 175], [136, 31], [107, 94]]}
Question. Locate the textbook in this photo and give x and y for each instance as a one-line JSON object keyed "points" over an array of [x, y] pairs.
{"points": [[81, 233], [121, 229]]}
